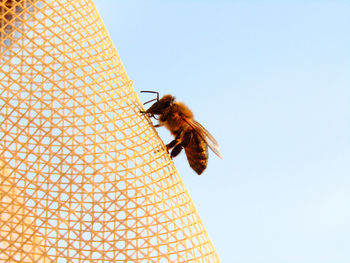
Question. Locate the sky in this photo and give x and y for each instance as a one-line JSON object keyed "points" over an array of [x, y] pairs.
{"points": [[271, 81]]}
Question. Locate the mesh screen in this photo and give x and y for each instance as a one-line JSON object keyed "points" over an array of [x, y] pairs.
{"points": [[84, 176]]}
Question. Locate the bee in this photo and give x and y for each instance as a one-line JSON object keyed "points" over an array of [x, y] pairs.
{"points": [[189, 134]]}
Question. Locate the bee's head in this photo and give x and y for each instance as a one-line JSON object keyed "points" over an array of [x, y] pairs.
{"points": [[160, 106]]}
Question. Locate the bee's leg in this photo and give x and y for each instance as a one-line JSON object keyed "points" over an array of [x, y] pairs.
{"points": [[158, 125], [175, 152], [186, 139], [172, 144], [178, 148], [150, 115]]}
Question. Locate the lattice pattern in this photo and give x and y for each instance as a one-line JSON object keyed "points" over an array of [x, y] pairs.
{"points": [[84, 176]]}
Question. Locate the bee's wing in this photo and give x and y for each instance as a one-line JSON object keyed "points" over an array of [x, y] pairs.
{"points": [[206, 136]]}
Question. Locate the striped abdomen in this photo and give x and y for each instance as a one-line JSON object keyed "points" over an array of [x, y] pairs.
{"points": [[197, 153]]}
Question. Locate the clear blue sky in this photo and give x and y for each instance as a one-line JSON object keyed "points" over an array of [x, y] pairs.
{"points": [[271, 81]]}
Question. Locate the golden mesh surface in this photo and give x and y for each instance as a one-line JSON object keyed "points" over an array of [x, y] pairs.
{"points": [[84, 176]]}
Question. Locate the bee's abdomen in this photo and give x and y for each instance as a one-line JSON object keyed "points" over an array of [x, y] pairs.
{"points": [[197, 153]]}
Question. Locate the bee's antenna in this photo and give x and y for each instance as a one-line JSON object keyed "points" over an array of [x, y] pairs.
{"points": [[148, 91], [149, 101]]}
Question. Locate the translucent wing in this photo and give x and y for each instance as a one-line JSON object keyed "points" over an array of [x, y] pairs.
{"points": [[205, 135]]}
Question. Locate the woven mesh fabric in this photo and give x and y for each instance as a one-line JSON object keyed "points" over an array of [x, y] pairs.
{"points": [[84, 176]]}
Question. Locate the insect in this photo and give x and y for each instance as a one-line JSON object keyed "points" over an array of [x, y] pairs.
{"points": [[189, 134]]}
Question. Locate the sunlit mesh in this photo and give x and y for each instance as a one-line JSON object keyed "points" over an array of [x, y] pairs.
{"points": [[84, 176]]}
